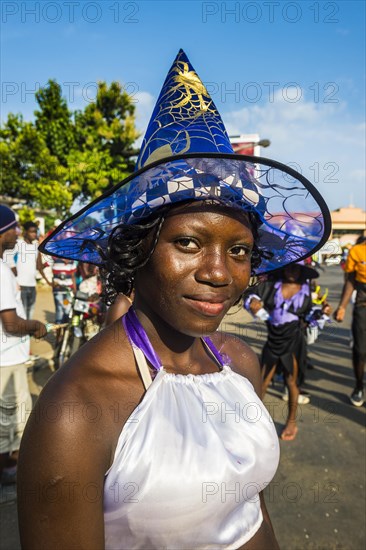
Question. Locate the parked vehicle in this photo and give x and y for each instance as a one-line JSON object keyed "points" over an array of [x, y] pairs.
{"points": [[85, 320], [333, 260]]}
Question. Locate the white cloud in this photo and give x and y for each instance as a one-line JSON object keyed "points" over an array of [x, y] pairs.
{"points": [[321, 138], [144, 103]]}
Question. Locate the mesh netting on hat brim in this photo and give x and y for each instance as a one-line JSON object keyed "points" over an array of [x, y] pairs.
{"points": [[295, 219]]}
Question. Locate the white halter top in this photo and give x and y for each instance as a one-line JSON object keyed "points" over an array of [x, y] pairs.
{"points": [[189, 464]]}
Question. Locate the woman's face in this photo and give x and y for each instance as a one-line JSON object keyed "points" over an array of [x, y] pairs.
{"points": [[199, 269], [292, 273]]}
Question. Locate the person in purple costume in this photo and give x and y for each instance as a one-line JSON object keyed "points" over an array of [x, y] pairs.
{"points": [[286, 299]]}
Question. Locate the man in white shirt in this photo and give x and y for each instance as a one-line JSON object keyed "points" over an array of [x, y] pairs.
{"points": [[25, 261], [15, 398]]}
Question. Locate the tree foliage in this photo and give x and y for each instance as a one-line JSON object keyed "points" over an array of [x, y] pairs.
{"points": [[26, 215], [63, 155], [54, 122]]}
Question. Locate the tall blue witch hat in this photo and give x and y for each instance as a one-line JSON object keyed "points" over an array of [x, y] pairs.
{"points": [[186, 155]]}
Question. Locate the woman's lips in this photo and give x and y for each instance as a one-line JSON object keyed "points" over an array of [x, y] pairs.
{"points": [[209, 308]]}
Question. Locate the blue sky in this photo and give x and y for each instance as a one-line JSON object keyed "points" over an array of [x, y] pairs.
{"points": [[291, 71]]}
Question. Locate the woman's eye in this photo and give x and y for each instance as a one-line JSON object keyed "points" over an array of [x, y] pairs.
{"points": [[240, 251], [187, 242]]}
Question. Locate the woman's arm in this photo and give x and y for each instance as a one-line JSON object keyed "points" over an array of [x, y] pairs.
{"points": [[267, 522], [264, 539], [69, 444], [63, 457]]}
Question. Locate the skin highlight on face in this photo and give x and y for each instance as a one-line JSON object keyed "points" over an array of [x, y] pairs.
{"points": [[203, 258]]}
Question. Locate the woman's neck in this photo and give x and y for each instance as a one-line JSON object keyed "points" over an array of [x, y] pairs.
{"points": [[179, 353], [289, 289]]}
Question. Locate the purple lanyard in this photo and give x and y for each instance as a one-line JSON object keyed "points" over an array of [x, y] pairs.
{"points": [[138, 338]]}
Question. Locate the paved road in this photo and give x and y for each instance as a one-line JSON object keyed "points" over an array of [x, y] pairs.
{"points": [[317, 498]]}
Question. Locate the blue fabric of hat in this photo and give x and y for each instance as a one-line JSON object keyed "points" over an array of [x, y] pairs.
{"points": [[186, 155], [7, 218]]}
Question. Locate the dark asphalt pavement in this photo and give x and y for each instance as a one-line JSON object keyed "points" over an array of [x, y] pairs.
{"points": [[317, 498]]}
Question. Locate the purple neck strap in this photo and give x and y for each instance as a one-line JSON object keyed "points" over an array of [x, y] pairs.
{"points": [[138, 338]]}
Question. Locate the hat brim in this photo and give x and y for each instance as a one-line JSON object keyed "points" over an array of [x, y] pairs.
{"points": [[294, 219], [309, 272], [306, 271]]}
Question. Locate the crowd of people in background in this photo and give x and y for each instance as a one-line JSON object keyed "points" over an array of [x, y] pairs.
{"points": [[63, 276], [289, 303]]}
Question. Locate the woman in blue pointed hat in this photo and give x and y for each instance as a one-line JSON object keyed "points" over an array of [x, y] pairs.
{"points": [[153, 435]]}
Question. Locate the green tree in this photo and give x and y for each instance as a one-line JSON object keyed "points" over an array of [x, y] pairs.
{"points": [[26, 215], [54, 122], [64, 155], [105, 132], [10, 164], [28, 170]]}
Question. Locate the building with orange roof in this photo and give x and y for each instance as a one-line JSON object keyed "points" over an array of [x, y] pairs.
{"points": [[348, 223]]}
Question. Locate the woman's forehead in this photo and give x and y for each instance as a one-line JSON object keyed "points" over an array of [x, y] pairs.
{"points": [[197, 210], [209, 223]]}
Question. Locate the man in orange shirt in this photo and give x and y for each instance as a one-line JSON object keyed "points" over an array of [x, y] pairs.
{"points": [[355, 270]]}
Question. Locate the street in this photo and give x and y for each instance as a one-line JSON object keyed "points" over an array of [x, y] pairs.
{"points": [[317, 498]]}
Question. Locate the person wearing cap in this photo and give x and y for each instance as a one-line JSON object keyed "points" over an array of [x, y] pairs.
{"points": [[355, 280], [160, 433], [285, 303], [15, 398], [26, 262]]}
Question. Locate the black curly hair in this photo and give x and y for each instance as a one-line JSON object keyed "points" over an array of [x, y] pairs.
{"points": [[131, 246]]}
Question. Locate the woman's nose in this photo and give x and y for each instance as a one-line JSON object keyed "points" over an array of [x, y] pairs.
{"points": [[213, 269]]}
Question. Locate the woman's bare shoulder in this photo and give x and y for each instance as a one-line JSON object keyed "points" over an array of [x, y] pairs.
{"points": [[243, 359], [105, 362], [102, 361], [90, 398]]}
